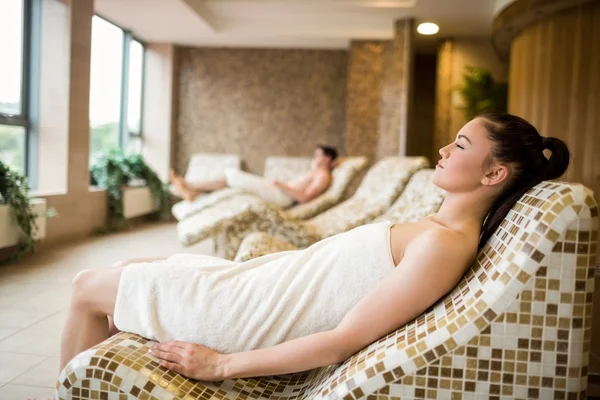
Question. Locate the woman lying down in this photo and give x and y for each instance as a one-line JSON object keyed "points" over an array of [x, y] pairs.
{"points": [[294, 311]]}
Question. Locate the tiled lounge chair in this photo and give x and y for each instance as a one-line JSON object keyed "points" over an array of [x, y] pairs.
{"points": [[285, 169], [516, 326], [241, 216], [419, 199]]}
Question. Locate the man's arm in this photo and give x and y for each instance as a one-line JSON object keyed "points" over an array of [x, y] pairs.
{"points": [[317, 186]]}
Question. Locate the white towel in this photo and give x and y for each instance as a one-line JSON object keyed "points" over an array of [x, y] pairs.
{"points": [[259, 186], [231, 307]]}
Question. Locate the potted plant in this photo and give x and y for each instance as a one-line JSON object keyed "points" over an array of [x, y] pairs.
{"points": [[480, 92], [116, 172], [18, 225]]}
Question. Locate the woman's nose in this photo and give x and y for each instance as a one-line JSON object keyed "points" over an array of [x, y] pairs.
{"points": [[444, 151]]}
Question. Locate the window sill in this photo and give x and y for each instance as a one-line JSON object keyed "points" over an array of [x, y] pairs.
{"points": [[94, 189], [46, 193]]}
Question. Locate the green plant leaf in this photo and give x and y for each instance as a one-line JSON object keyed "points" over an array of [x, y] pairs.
{"points": [[14, 191], [480, 92], [112, 171]]}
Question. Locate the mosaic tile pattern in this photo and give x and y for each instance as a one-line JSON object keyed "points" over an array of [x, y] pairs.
{"points": [[258, 244], [363, 103], [343, 175], [517, 325], [420, 198], [377, 191], [259, 102], [396, 96], [380, 187]]}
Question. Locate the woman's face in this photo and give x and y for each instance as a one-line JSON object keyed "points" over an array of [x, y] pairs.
{"points": [[462, 167]]}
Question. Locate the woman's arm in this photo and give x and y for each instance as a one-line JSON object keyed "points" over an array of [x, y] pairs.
{"points": [[431, 266]]}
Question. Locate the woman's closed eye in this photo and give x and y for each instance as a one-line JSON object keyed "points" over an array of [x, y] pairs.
{"points": [[459, 146]]}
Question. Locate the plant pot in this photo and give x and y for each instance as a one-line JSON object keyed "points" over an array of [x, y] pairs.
{"points": [[138, 201], [10, 232]]}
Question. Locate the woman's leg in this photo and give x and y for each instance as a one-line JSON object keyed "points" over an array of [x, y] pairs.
{"points": [[93, 299]]}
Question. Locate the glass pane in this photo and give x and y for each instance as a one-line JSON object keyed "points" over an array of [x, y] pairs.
{"points": [[105, 85], [136, 68], [12, 147], [11, 48], [135, 145]]}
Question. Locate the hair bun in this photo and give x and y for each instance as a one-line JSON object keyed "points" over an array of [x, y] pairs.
{"points": [[559, 159]]}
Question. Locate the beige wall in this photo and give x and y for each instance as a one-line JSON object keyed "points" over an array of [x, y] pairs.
{"points": [[80, 210], [257, 103], [453, 57], [159, 127], [54, 100]]}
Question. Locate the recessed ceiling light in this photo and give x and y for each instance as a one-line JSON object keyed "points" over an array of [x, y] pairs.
{"points": [[428, 28]]}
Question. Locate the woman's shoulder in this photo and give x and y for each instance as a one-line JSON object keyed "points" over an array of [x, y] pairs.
{"points": [[445, 243]]}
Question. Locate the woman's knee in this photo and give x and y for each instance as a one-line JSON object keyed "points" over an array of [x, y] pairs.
{"points": [[123, 263], [80, 286], [96, 289]]}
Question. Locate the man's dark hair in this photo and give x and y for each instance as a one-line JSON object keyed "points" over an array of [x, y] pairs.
{"points": [[329, 151]]}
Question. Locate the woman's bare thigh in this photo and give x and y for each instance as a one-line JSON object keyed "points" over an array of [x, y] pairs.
{"points": [[97, 289]]}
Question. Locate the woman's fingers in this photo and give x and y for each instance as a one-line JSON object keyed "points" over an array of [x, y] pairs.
{"points": [[173, 366], [166, 355], [173, 347], [179, 344]]}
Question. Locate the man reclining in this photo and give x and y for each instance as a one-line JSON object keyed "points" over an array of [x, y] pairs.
{"points": [[300, 190]]}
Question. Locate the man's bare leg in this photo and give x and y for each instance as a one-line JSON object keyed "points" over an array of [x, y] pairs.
{"points": [[207, 186], [189, 191]]}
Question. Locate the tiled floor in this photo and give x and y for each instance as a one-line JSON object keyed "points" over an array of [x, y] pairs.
{"points": [[34, 296]]}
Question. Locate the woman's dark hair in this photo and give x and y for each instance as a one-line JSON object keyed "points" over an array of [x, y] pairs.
{"points": [[517, 143], [329, 152]]}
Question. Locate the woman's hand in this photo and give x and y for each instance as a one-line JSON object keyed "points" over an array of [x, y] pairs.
{"points": [[189, 359]]}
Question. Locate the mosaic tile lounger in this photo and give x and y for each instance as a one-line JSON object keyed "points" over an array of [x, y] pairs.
{"points": [[516, 326], [419, 199], [243, 215], [285, 169]]}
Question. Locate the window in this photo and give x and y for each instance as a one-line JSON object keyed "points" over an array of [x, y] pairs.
{"points": [[134, 96], [14, 81], [116, 85], [136, 71], [105, 85]]}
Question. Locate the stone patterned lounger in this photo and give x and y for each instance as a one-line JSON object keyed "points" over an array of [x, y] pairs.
{"points": [[242, 215], [517, 325], [419, 199]]}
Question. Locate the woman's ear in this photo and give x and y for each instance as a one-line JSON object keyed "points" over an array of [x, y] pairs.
{"points": [[496, 174]]}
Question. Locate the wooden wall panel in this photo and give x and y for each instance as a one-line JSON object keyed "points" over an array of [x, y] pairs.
{"points": [[555, 84]]}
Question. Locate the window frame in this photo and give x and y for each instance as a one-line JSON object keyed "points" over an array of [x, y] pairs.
{"points": [[124, 133], [27, 116]]}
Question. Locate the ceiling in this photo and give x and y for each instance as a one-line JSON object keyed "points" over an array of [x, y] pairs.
{"points": [[291, 23]]}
